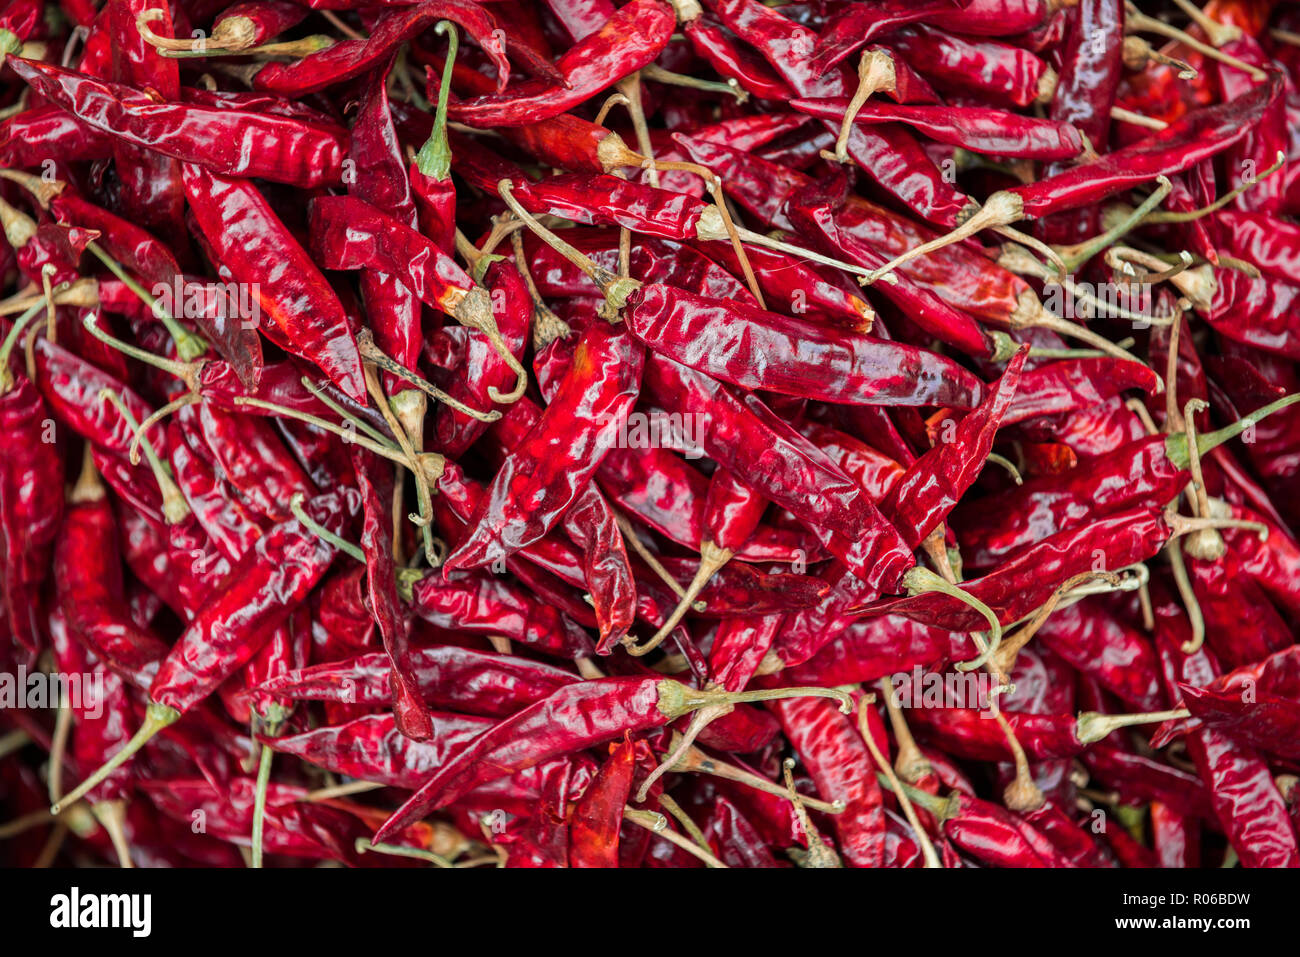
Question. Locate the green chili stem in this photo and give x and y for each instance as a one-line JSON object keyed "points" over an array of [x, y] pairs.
{"points": [[174, 506], [396, 850], [259, 802], [188, 345], [15, 331], [1093, 726], [157, 716], [1075, 256], [434, 158], [919, 580]]}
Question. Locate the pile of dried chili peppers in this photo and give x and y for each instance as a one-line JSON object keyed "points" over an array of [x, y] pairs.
{"points": [[707, 433]]}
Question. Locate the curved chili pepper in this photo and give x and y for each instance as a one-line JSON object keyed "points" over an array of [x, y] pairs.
{"points": [[349, 58], [627, 41]]}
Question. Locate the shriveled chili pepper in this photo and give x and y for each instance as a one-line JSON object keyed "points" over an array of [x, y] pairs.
{"points": [[349, 58], [627, 41], [305, 315], [572, 718]]}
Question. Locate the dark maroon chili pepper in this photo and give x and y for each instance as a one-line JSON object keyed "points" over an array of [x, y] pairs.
{"points": [[1245, 799], [227, 142], [627, 41], [305, 315], [1141, 778], [979, 129], [350, 58], [292, 828]]}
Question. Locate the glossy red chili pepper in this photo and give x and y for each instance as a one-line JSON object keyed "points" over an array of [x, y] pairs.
{"points": [[88, 578], [226, 142], [829, 746], [350, 58], [305, 315], [755, 349], [283, 567], [468, 681], [598, 816], [932, 485], [978, 129], [1245, 799], [889, 155], [632, 37]]}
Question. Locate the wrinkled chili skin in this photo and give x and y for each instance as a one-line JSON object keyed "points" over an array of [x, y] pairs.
{"points": [[577, 717], [263, 589], [1245, 800], [31, 505], [559, 455], [1199, 135], [228, 142], [1138, 473], [468, 681], [627, 41], [350, 58], [762, 350], [301, 311]]}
